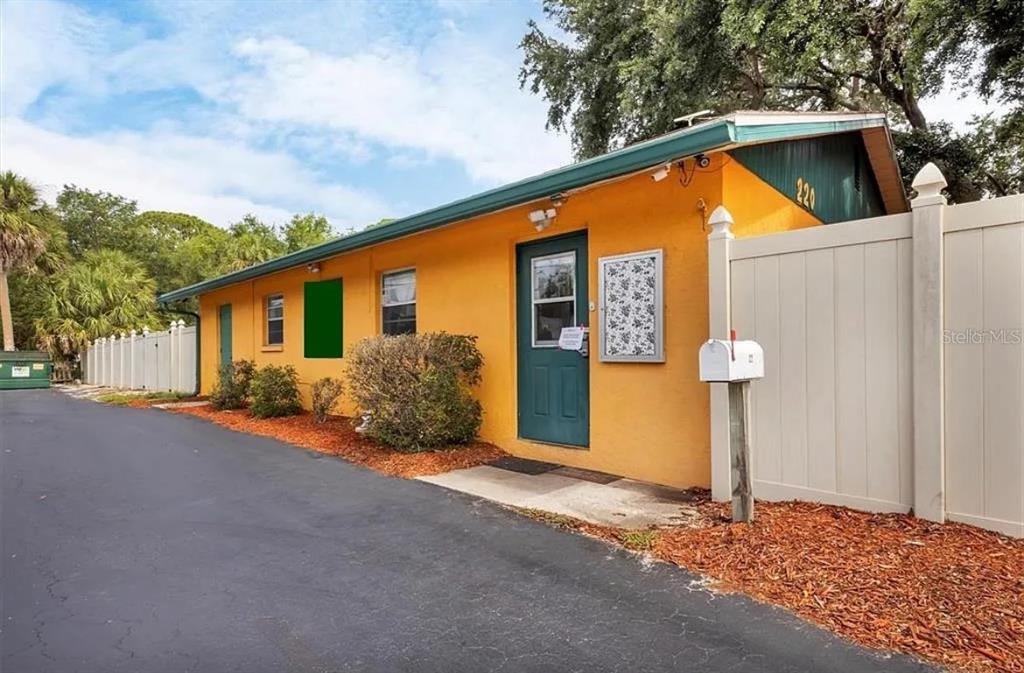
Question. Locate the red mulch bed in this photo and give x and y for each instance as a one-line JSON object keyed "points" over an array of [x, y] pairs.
{"points": [[337, 437], [950, 593]]}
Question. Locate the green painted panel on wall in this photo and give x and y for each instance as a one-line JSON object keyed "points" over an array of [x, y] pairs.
{"points": [[829, 175], [322, 319]]}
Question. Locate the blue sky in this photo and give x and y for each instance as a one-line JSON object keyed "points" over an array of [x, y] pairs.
{"points": [[358, 110]]}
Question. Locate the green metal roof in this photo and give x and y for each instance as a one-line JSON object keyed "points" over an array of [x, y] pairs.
{"points": [[720, 133]]}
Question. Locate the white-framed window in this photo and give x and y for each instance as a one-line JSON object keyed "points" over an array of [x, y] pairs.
{"points": [[398, 302], [274, 312], [553, 285], [632, 307]]}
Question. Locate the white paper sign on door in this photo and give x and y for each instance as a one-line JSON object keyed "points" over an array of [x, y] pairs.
{"points": [[571, 338]]}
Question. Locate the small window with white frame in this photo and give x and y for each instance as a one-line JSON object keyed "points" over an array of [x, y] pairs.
{"points": [[274, 311], [553, 283], [398, 302]]}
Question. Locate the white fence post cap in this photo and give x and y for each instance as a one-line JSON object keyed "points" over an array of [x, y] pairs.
{"points": [[929, 183], [721, 223]]}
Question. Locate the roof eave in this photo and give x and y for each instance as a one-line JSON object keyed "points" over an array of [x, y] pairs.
{"points": [[630, 159], [710, 136]]}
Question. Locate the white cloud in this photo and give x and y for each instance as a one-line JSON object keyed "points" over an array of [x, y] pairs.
{"points": [[218, 180], [456, 100], [46, 44], [328, 85]]}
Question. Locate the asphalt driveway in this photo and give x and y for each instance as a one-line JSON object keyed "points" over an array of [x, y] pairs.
{"points": [[137, 540]]}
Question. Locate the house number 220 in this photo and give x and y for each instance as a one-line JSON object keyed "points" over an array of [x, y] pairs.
{"points": [[804, 194]]}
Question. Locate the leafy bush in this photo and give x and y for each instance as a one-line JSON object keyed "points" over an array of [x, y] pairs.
{"points": [[326, 392], [232, 388], [275, 392], [416, 389]]}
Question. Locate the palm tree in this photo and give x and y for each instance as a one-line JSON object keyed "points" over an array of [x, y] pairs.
{"points": [[21, 241], [253, 242], [104, 293]]}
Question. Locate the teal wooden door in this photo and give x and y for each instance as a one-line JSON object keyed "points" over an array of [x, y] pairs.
{"points": [[225, 334], [554, 385]]}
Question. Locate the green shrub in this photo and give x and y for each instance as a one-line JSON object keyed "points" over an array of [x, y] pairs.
{"points": [[232, 388], [275, 392], [326, 392], [416, 389]]}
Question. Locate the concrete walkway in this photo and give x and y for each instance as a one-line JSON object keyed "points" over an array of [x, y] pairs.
{"points": [[622, 502], [86, 391]]}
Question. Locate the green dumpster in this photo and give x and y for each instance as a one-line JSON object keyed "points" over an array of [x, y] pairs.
{"points": [[24, 369]]}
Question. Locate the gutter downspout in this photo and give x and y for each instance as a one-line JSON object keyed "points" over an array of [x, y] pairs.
{"points": [[199, 343]]}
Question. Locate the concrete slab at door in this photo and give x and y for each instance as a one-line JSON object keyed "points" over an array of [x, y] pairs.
{"points": [[554, 385], [225, 334]]}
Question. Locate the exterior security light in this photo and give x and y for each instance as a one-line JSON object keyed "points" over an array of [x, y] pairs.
{"points": [[313, 267], [542, 219]]}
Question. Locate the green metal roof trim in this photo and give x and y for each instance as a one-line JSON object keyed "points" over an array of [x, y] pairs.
{"points": [[704, 137], [757, 133]]}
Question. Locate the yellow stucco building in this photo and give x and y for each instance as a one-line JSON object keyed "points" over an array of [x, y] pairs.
{"points": [[617, 243]]}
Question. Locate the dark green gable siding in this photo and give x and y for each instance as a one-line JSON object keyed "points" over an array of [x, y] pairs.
{"points": [[322, 319], [828, 175]]}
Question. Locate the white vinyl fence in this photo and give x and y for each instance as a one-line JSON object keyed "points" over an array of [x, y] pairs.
{"points": [[894, 359], [164, 360]]}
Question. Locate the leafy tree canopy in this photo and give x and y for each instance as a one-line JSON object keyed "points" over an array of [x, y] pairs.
{"points": [[95, 220], [252, 242], [305, 231], [626, 68], [98, 247], [169, 243]]}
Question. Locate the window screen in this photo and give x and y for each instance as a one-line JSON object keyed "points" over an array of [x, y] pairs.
{"points": [[398, 302], [322, 319]]}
